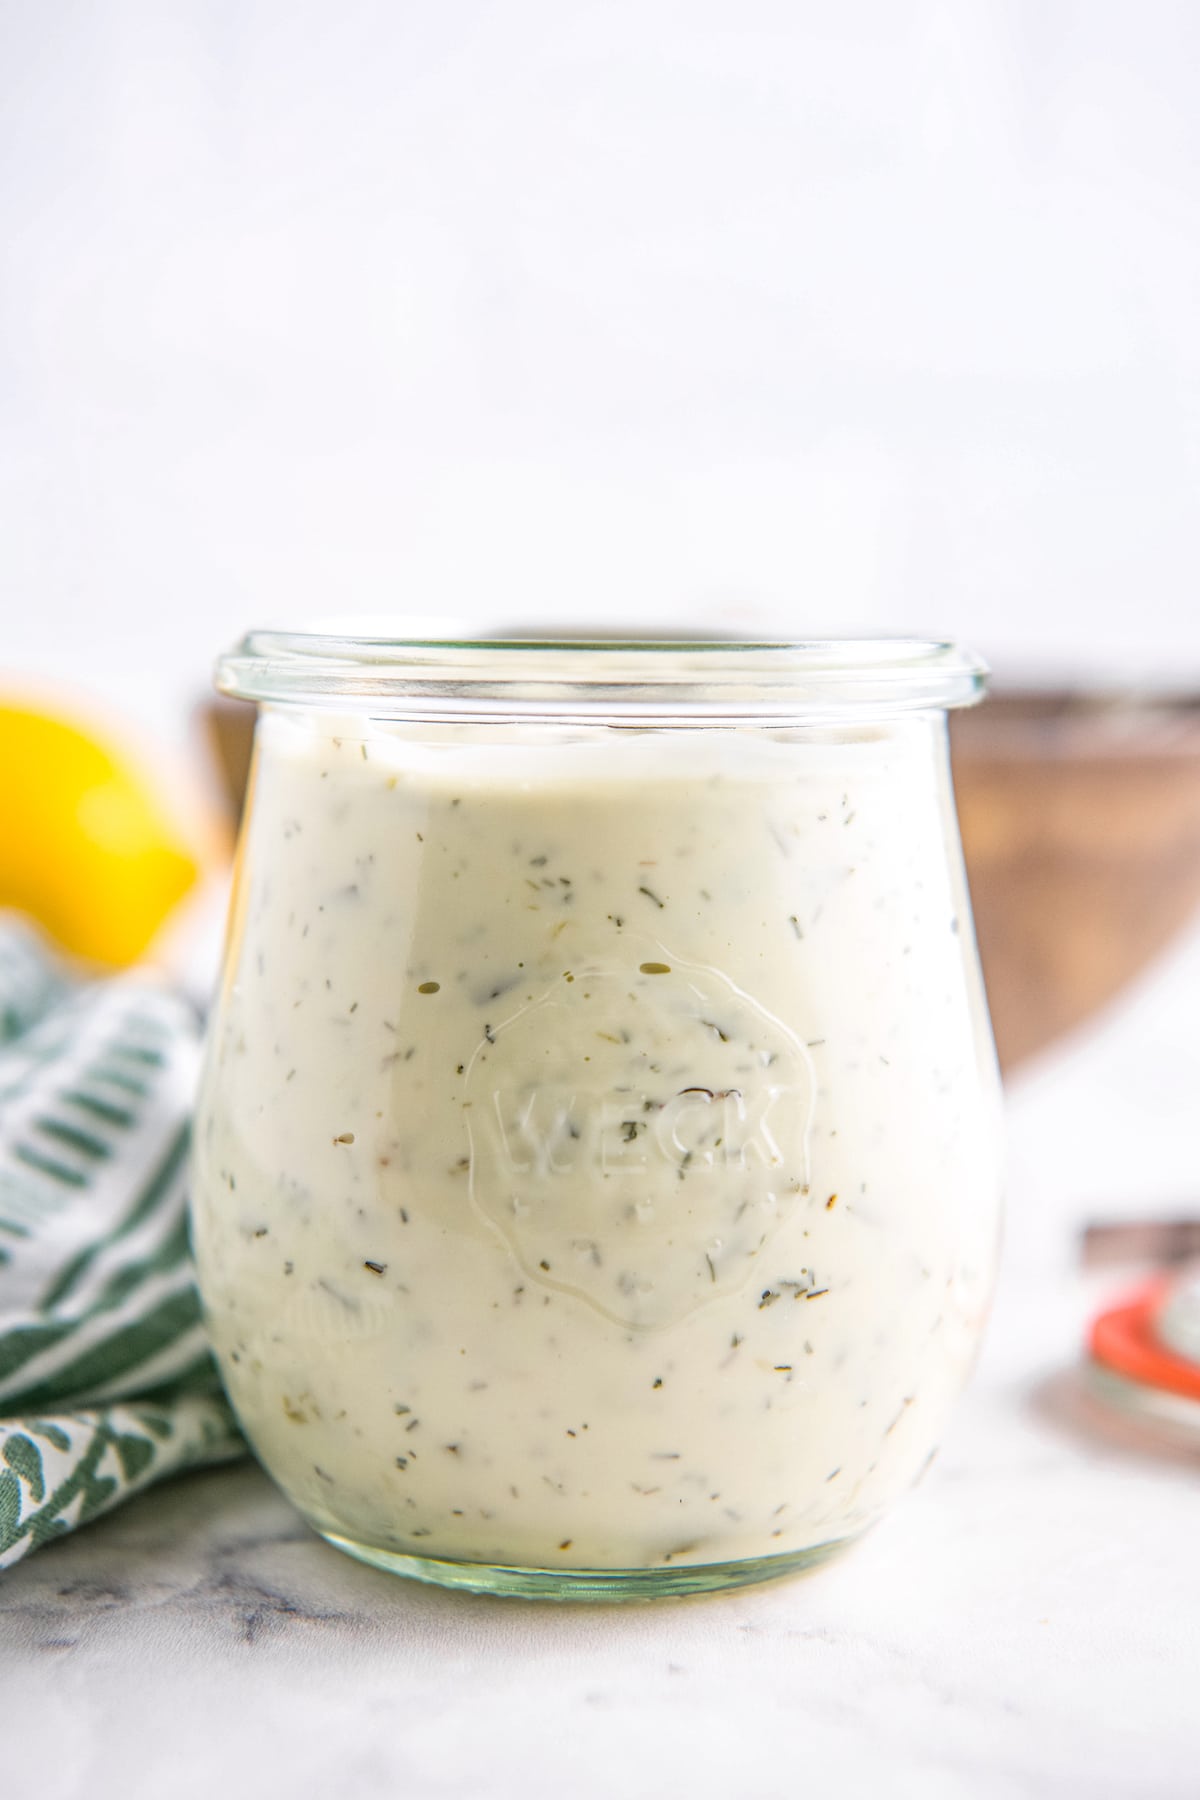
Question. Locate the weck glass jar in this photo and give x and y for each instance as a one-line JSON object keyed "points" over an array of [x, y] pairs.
{"points": [[596, 1168]]}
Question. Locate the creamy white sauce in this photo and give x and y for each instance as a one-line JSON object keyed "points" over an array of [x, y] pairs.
{"points": [[596, 1163]]}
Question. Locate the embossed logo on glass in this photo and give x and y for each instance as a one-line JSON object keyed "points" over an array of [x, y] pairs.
{"points": [[639, 1132]]}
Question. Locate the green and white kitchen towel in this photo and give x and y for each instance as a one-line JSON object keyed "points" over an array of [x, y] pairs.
{"points": [[106, 1381]]}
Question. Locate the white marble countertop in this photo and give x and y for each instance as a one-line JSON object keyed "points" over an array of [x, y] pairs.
{"points": [[1027, 1624]]}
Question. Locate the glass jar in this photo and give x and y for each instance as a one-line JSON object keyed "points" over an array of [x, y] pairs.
{"points": [[596, 1170]]}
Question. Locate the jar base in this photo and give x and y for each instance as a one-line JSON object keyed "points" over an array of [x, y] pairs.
{"points": [[603, 1585]]}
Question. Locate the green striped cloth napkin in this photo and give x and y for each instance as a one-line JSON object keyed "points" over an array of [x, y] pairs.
{"points": [[106, 1382]]}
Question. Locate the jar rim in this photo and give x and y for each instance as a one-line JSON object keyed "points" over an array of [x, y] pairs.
{"points": [[661, 678]]}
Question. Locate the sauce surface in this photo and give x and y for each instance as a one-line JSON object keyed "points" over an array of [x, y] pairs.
{"points": [[597, 1157]]}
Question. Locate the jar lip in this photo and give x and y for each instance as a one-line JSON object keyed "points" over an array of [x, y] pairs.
{"points": [[661, 677]]}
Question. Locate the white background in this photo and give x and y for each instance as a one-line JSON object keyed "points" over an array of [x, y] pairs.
{"points": [[799, 315]]}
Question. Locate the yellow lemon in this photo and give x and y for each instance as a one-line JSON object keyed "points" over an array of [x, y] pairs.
{"points": [[86, 847]]}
